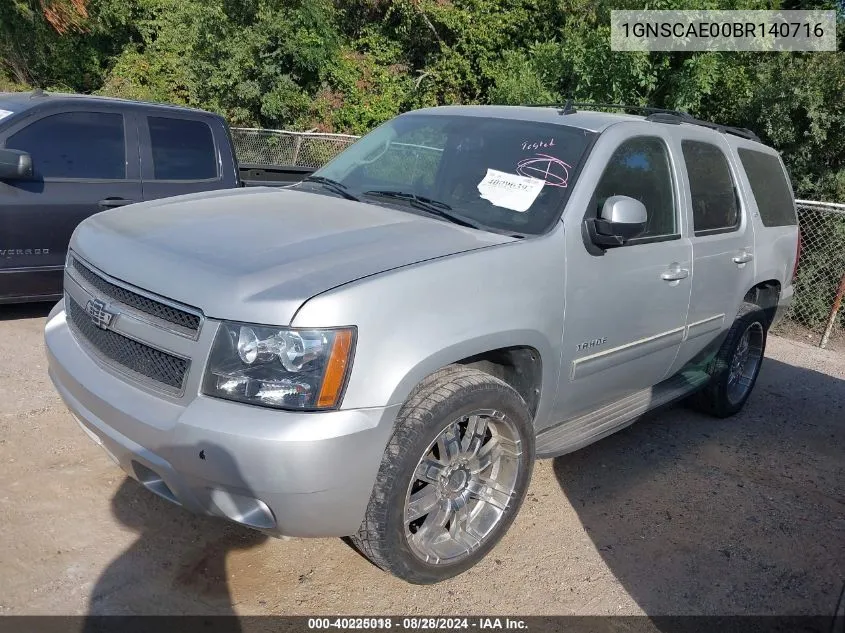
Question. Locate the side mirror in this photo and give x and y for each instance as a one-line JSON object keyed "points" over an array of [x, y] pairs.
{"points": [[15, 165], [622, 219]]}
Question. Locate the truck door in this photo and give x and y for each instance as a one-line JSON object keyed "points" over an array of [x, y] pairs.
{"points": [[722, 241], [85, 161], [180, 154], [626, 308]]}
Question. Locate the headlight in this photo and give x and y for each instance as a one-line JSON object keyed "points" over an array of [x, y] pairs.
{"points": [[279, 367]]}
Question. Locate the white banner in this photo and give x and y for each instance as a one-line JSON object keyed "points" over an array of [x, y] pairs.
{"points": [[701, 30]]}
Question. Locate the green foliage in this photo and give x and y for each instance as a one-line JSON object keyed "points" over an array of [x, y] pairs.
{"points": [[347, 66], [517, 80], [8, 84]]}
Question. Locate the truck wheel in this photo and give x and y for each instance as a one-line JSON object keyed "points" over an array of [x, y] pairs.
{"points": [[734, 369], [452, 479]]}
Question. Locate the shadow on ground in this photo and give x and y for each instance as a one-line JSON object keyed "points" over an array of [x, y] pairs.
{"points": [[177, 565], [692, 515], [25, 310], [695, 515]]}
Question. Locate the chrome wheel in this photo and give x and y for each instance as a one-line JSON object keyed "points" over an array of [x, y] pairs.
{"points": [[462, 486], [745, 362]]}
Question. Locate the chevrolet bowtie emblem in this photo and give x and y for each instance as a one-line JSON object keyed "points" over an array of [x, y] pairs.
{"points": [[100, 313]]}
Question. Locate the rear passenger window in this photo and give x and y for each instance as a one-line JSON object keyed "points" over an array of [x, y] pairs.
{"points": [[87, 145], [182, 149], [639, 169], [770, 188], [714, 201]]}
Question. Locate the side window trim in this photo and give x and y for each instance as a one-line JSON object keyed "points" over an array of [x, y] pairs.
{"points": [[146, 147], [652, 240], [740, 204], [677, 203], [130, 142]]}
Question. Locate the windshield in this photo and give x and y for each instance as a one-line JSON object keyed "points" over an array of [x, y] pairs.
{"points": [[498, 174], [7, 109]]}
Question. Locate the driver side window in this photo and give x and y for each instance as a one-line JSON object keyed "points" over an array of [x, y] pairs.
{"points": [[640, 169]]}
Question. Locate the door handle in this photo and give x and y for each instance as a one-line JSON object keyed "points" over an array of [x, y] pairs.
{"points": [[675, 273], [743, 258], [111, 203]]}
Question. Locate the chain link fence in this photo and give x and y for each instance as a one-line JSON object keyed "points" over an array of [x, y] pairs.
{"points": [[293, 149], [820, 280]]}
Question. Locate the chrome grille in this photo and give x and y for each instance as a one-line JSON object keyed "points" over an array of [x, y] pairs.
{"points": [[137, 358], [134, 300]]}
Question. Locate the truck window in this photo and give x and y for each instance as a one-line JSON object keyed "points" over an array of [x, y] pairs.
{"points": [[413, 162], [507, 175], [88, 145], [714, 201], [639, 168], [182, 149], [770, 188]]}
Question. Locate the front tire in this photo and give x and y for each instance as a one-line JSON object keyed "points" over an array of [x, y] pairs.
{"points": [[734, 370], [452, 479]]}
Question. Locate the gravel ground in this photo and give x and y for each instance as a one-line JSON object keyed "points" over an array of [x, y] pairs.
{"points": [[678, 514]]}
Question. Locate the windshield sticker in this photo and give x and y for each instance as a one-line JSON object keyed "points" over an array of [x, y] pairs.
{"points": [[550, 170], [538, 145], [5, 113], [510, 191]]}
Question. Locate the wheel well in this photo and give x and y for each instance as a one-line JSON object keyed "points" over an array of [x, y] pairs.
{"points": [[766, 295], [520, 367]]}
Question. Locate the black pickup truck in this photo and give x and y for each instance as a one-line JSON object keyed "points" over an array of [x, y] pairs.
{"points": [[66, 157]]}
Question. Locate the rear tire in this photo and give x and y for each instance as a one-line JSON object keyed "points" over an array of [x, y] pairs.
{"points": [[735, 367], [452, 478]]}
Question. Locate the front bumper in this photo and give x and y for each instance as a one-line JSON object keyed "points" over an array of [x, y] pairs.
{"points": [[297, 474]]}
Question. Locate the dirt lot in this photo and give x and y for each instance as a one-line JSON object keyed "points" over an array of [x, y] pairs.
{"points": [[678, 514]]}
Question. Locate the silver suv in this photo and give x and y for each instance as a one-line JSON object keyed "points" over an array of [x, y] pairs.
{"points": [[382, 350]]}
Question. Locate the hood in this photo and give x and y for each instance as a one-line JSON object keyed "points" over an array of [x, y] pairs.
{"points": [[257, 254]]}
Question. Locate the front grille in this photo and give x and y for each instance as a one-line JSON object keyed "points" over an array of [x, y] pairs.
{"points": [[139, 359], [139, 302]]}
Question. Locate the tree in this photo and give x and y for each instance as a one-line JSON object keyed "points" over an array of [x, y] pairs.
{"points": [[348, 65]]}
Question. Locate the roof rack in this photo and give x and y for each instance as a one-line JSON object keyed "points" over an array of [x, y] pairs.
{"points": [[683, 117], [657, 115]]}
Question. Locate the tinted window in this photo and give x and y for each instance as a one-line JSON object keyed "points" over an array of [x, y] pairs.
{"points": [[503, 174], [412, 162], [639, 169], [714, 202], [771, 191], [75, 145], [182, 149]]}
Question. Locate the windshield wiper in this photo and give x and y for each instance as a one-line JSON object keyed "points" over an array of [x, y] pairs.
{"points": [[333, 185], [432, 207], [402, 195]]}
